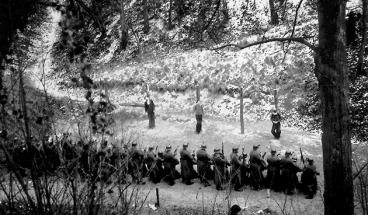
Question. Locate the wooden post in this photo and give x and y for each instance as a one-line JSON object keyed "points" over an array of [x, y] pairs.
{"points": [[275, 95], [105, 90], [158, 198], [198, 93], [241, 112]]}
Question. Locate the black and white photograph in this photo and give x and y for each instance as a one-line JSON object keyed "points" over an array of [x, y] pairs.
{"points": [[183, 107]]}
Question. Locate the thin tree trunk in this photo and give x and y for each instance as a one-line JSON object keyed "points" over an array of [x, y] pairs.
{"points": [[124, 27], [34, 177], [360, 66], [241, 112], [274, 15], [146, 26], [331, 71], [169, 25]]}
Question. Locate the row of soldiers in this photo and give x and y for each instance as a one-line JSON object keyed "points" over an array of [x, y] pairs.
{"points": [[107, 162], [281, 172]]}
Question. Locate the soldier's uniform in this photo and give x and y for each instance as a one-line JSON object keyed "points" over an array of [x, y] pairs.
{"points": [[273, 172], [186, 163], [235, 169], [204, 165], [151, 161], [256, 166], [169, 162], [309, 179], [136, 163], [288, 174], [219, 166]]}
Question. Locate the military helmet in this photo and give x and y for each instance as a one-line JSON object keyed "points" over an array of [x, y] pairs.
{"points": [[256, 146], [203, 146]]}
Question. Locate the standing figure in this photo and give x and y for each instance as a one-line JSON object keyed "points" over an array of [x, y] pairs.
{"points": [[235, 170], [198, 110], [245, 170], [273, 172], [151, 162], [149, 107], [187, 161], [257, 164], [204, 166], [170, 161], [276, 125], [309, 179], [136, 164], [219, 166], [288, 173]]}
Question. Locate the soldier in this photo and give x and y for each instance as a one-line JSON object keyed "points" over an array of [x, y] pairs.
{"points": [[245, 170], [236, 164], [309, 179], [136, 163], [160, 166], [170, 161], [276, 125], [150, 161], [257, 164], [288, 173], [204, 166], [149, 107], [198, 110], [186, 162], [273, 172], [219, 166]]}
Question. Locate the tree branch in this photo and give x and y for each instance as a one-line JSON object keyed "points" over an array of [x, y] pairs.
{"points": [[296, 17], [360, 171], [300, 40]]}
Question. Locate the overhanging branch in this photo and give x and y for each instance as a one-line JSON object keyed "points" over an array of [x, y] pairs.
{"points": [[300, 40]]}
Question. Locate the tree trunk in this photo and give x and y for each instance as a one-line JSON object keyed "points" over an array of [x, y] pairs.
{"points": [[180, 10], [331, 71], [146, 26], [274, 16], [169, 25], [124, 27], [360, 66], [241, 112]]}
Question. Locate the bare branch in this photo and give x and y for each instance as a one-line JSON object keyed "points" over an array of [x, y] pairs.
{"points": [[360, 170], [290, 39], [296, 17]]}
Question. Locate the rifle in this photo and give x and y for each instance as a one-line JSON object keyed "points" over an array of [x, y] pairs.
{"points": [[264, 154], [222, 149], [176, 150]]}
